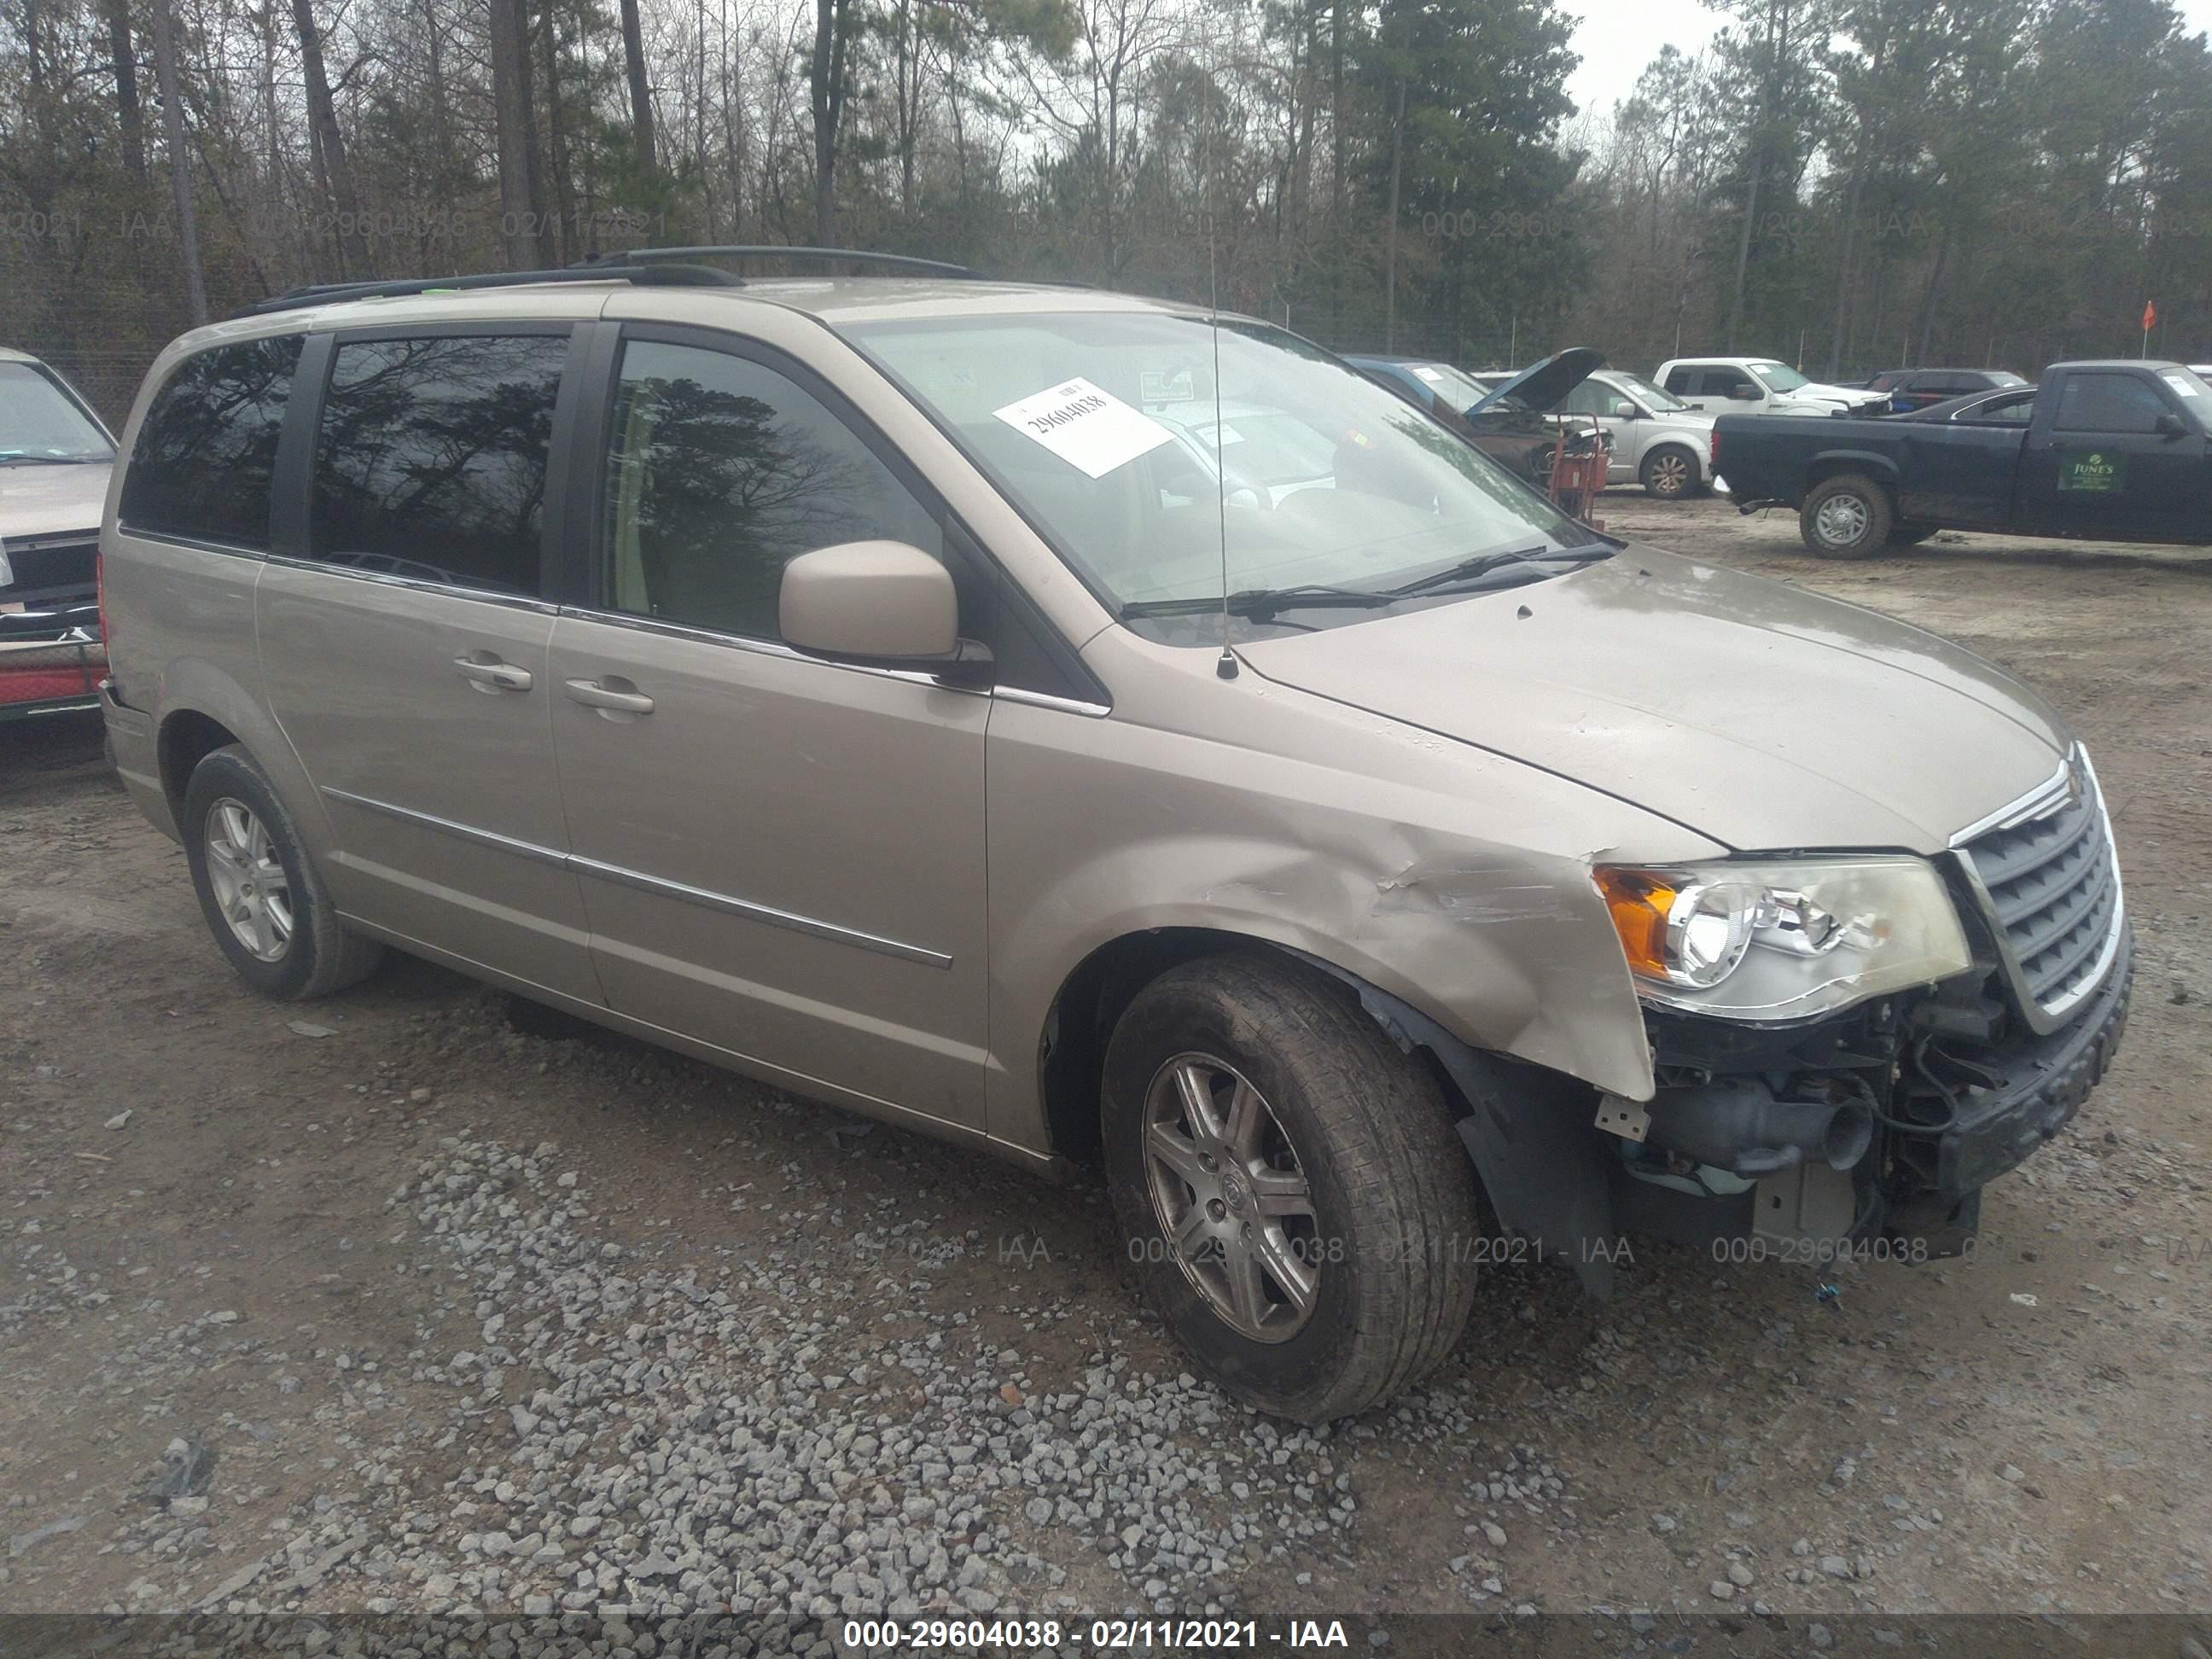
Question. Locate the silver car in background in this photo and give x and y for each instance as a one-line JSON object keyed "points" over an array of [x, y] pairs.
{"points": [[1658, 440]]}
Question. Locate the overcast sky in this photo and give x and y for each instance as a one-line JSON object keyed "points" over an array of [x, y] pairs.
{"points": [[1617, 37]]}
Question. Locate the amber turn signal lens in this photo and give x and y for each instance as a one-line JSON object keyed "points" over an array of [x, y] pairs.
{"points": [[1639, 902]]}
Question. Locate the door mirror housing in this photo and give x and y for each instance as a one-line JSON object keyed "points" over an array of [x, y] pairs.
{"points": [[880, 605], [1744, 394], [2170, 425]]}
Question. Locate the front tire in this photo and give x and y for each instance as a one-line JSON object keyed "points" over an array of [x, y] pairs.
{"points": [[1669, 472], [1299, 1210], [1845, 517], [263, 898]]}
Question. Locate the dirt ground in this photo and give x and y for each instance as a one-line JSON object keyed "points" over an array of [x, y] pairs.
{"points": [[199, 1241]]}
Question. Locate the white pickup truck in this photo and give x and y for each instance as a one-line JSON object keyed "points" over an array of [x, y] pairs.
{"points": [[1758, 386]]}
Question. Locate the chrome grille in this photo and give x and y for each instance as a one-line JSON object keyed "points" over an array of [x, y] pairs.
{"points": [[2049, 884]]}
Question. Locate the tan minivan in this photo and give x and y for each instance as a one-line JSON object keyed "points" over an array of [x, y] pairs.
{"points": [[1061, 723]]}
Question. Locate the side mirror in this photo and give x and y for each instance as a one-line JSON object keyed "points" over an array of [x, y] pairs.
{"points": [[881, 605], [2170, 425], [1744, 394]]}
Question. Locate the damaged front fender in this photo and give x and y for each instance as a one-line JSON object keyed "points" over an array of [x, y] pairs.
{"points": [[1452, 880]]}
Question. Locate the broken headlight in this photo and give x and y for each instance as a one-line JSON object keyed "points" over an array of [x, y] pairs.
{"points": [[1782, 939]]}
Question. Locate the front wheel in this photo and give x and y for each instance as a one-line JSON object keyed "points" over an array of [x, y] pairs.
{"points": [[1846, 517], [1296, 1203], [261, 893], [1669, 473]]}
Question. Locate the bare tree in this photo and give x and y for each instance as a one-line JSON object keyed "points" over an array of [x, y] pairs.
{"points": [[515, 135], [180, 174], [335, 171], [827, 87], [640, 94]]}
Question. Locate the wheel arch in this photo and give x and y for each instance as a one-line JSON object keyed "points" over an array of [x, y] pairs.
{"points": [[202, 709], [1836, 462], [1525, 1127], [1700, 467]]}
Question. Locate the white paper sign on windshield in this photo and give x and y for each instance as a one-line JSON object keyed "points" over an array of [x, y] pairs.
{"points": [[1087, 428]]}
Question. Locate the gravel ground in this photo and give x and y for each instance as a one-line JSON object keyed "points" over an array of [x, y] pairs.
{"points": [[398, 1304]]}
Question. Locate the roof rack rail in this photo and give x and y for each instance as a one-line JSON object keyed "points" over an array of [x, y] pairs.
{"points": [[654, 256], [655, 272]]}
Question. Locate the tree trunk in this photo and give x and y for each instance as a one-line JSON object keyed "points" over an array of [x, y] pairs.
{"points": [[1935, 291], [825, 76], [123, 56], [510, 91], [640, 97], [1336, 170], [354, 254], [1390, 266], [560, 199], [1859, 166], [733, 157], [180, 175]]}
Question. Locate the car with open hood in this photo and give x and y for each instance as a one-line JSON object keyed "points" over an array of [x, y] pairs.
{"points": [[855, 683], [1507, 421], [55, 458]]}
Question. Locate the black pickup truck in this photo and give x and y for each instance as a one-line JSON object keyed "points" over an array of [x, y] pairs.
{"points": [[2118, 452]]}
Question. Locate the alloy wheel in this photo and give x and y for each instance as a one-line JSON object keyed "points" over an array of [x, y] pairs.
{"points": [[251, 888], [1231, 1198]]}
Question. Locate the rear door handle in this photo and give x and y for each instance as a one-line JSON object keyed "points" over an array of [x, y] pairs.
{"points": [[594, 694], [494, 676]]}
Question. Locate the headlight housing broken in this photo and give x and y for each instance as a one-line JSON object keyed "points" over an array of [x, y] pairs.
{"points": [[1774, 941]]}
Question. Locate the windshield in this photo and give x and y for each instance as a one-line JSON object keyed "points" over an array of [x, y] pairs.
{"points": [[1458, 388], [1779, 377], [1091, 423], [1655, 398], [39, 422]]}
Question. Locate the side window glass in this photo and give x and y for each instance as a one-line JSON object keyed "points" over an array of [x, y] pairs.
{"points": [[722, 472], [1583, 400], [431, 459], [2091, 401], [206, 454], [1680, 381]]}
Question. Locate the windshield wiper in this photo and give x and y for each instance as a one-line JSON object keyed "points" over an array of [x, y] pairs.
{"points": [[1483, 564], [1250, 602]]}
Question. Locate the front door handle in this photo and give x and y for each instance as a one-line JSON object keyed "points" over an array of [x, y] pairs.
{"points": [[611, 699], [493, 676]]}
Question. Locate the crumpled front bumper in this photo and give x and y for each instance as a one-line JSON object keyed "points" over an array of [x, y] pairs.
{"points": [[2037, 1086]]}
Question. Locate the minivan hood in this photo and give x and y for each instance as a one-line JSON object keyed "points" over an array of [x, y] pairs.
{"points": [[1751, 711], [43, 499]]}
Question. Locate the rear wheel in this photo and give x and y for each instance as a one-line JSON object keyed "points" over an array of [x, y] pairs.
{"points": [[1845, 517], [1298, 1208], [1669, 472], [262, 896]]}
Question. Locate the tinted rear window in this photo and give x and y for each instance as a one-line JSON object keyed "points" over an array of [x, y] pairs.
{"points": [[207, 449], [431, 460]]}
